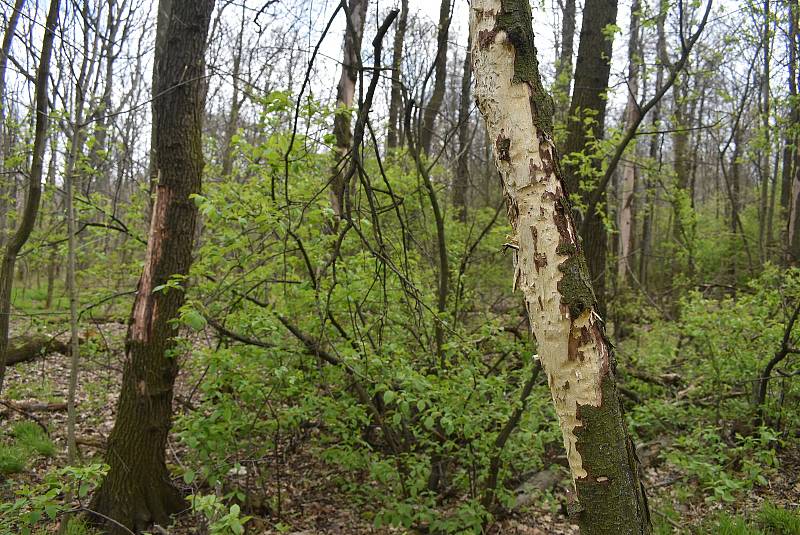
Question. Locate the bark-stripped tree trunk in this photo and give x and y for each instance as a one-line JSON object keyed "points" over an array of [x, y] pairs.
{"points": [[592, 69], [440, 78], [552, 274], [5, 144], [34, 194], [137, 490], [393, 137], [624, 262], [345, 97], [461, 179]]}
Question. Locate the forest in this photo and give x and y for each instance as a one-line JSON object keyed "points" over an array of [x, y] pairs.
{"points": [[398, 267]]}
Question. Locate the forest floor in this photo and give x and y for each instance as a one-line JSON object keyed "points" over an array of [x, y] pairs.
{"points": [[304, 496]]}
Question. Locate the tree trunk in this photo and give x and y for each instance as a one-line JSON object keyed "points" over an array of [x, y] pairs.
{"points": [[650, 191], [592, 70], [624, 262], [345, 97], [564, 63], [5, 143], [765, 158], [31, 208], [164, 11], [236, 103], [137, 490], [552, 274], [461, 182], [440, 78], [790, 139], [396, 98]]}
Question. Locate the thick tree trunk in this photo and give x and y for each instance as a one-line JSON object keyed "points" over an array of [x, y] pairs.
{"points": [[624, 261], [162, 25], [431, 109], [552, 274], [31, 208], [393, 136], [345, 97], [461, 179], [592, 69], [137, 490]]}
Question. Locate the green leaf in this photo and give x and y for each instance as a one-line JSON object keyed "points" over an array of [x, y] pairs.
{"points": [[388, 396], [188, 476], [194, 319]]}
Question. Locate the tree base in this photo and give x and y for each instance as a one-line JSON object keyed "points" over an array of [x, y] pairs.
{"points": [[136, 505]]}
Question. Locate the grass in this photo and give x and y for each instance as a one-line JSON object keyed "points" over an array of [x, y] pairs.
{"points": [[732, 525], [29, 440], [32, 437], [13, 459], [769, 520], [778, 521]]}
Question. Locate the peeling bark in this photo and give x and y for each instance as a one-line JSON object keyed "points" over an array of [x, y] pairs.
{"points": [[551, 272]]}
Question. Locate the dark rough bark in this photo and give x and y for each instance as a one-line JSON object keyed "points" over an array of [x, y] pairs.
{"points": [[162, 25], [396, 98], [592, 69], [440, 78], [461, 179], [28, 220], [137, 490]]}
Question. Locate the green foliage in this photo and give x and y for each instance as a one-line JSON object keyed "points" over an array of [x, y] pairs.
{"points": [[721, 469], [407, 430], [221, 519], [38, 505]]}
